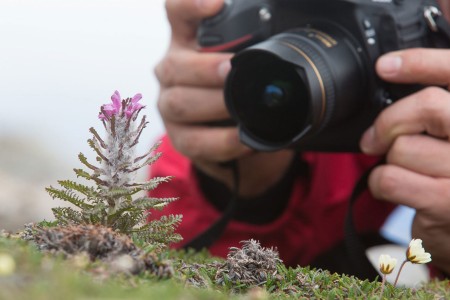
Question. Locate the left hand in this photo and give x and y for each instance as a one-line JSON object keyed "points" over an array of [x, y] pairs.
{"points": [[417, 172]]}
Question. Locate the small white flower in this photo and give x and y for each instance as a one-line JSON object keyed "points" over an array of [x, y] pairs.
{"points": [[7, 264], [416, 253], [386, 263]]}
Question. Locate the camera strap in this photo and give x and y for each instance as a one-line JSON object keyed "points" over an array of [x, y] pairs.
{"points": [[356, 249], [210, 235], [443, 26]]}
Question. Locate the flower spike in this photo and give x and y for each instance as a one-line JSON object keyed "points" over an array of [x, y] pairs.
{"points": [[118, 107], [113, 202]]}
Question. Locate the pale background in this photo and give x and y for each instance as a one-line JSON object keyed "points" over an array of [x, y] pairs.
{"points": [[59, 61]]}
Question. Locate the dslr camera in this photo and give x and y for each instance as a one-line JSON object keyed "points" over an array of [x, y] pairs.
{"points": [[303, 71]]}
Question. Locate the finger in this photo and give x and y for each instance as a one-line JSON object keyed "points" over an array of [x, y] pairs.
{"points": [[215, 144], [427, 111], [185, 15], [191, 68], [192, 105], [405, 187], [445, 6], [421, 154], [424, 66]]}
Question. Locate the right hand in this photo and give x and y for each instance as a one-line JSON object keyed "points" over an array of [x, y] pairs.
{"points": [[191, 95]]}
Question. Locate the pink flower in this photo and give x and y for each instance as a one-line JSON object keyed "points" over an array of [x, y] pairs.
{"points": [[134, 105], [108, 110], [113, 109]]}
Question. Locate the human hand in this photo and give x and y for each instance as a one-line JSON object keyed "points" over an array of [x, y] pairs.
{"points": [[191, 96], [417, 172], [191, 87]]}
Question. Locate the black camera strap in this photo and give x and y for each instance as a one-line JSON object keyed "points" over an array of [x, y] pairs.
{"points": [[210, 235], [356, 249], [443, 26]]}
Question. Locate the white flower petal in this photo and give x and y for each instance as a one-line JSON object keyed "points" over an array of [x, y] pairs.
{"points": [[416, 253], [386, 263]]}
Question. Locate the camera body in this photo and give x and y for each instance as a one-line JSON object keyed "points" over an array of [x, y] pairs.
{"points": [[303, 74]]}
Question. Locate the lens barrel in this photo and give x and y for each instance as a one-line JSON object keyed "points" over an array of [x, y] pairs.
{"points": [[285, 91]]}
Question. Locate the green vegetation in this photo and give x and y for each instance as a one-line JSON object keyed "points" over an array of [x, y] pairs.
{"points": [[46, 276]]}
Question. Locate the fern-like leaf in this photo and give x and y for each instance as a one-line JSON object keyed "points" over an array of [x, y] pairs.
{"points": [[150, 152], [89, 192], [150, 185], [66, 215], [120, 212], [86, 175], [150, 160], [127, 222], [69, 196], [150, 202], [97, 136], [160, 231], [117, 192], [84, 161]]}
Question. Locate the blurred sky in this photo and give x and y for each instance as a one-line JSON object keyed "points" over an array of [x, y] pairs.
{"points": [[61, 59]]}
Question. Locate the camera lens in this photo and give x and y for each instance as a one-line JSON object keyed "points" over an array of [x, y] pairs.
{"points": [[265, 99], [290, 87]]}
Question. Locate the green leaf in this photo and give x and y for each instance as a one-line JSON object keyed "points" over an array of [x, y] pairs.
{"points": [[151, 202], [89, 192], [147, 162], [127, 222], [119, 213], [150, 185], [86, 175], [66, 215], [97, 136], [82, 173], [118, 192], [84, 161], [94, 145], [68, 195], [150, 152]]}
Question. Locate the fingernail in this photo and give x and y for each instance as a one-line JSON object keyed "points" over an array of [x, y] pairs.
{"points": [[224, 69], [368, 140], [389, 64]]}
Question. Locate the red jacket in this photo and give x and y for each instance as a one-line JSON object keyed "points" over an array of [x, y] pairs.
{"points": [[312, 222]]}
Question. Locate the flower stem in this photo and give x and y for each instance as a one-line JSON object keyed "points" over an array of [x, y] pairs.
{"points": [[383, 284], [399, 271]]}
